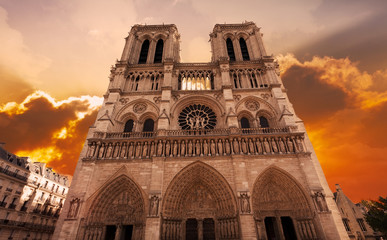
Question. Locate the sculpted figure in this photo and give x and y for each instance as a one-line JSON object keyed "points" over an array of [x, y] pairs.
{"points": [[167, 149], [123, 151], [236, 146], [101, 150], [228, 147], [220, 147], [138, 150], [160, 148], [116, 150], [244, 146], [152, 149], [281, 145], [251, 147], [154, 206], [299, 145], [182, 148], [258, 144], [266, 145], [145, 150], [274, 145], [197, 147], [245, 205], [320, 201], [175, 145], [205, 148], [109, 150], [190, 148], [212, 148], [91, 150], [130, 151], [290, 145]]}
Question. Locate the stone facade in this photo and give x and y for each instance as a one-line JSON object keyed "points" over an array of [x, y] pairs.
{"points": [[353, 218], [32, 196], [198, 150]]}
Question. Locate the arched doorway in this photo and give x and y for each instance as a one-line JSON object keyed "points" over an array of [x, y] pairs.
{"points": [[117, 212], [199, 204], [281, 208]]}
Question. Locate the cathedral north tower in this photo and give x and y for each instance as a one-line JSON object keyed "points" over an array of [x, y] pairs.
{"points": [[198, 150]]}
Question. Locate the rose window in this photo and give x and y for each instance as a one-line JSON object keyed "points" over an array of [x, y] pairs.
{"points": [[197, 116]]}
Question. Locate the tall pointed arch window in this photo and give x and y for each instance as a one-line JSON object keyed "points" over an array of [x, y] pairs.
{"points": [[149, 125], [144, 52], [230, 50], [245, 52], [245, 123], [159, 51], [263, 122]]}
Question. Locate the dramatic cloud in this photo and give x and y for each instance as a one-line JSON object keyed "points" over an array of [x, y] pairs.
{"points": [[345, 115], [48, 130]]}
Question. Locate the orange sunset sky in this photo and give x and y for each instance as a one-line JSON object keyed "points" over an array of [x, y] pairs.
{"points": [[55, 57]]}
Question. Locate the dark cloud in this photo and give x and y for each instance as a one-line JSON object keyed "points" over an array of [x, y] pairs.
{"points": [[364, 42], [13, 87], [374, 127], [313, 99]]}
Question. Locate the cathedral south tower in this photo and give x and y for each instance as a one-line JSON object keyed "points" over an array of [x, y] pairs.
{"points": [[198, 150]]}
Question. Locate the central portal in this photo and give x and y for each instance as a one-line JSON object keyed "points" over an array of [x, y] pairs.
{"points": [[199, 204]]}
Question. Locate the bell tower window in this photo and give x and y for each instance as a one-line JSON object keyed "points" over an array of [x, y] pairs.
{"points": [[230, 50], [245, 52], [159, 51], [129, 126], [263, 122], [149, 125], [144, 52]]}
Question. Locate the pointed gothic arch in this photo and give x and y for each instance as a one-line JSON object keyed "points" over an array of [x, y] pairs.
{"points": [[118, 203], [279, 199], [199, 192]]}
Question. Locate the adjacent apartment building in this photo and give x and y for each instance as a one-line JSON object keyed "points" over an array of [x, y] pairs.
{"points": [[31, 197]]}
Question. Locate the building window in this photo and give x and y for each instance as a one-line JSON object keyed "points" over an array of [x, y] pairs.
{"points": [[63, 192], [230, 50], [263, 122], [361, 224], [149, 125], [159, 51], [245, 123], [346, 224], [129, 126], [197, 117], [45, 185], [144, 52], [196, 80], [245, 52]]}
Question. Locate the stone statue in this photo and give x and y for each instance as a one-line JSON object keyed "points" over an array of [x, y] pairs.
{"points": [[319, 199], [189, 148], [251, 147], [91, 150], [138, 150], [109, 150], [130, 151], [152, 149], [290, 145], [175, 145], [245, 204], [101, 150], [281, 145], [220, 147], [116, 150], [244, 146], [182, 148], [167, 149], [299, 145], [212, 148], [228, 147], [74, 208], [274, 145], [154, 206], [145, 150], [123, 151], [160, 148], [266, 145], [236, 146], [205, 148], [258, 144], [198, 147]]}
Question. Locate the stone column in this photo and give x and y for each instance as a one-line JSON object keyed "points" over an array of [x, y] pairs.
{"points": [[200, 229]]}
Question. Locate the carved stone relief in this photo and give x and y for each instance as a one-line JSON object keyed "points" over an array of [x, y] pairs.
{"points": [[252, 105], [139, 107]]}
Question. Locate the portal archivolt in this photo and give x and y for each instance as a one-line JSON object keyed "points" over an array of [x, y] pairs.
{"points": [[199, 201], [118, 209]]}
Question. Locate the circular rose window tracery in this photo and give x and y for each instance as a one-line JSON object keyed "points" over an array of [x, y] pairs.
{"points": [[197, 116]]}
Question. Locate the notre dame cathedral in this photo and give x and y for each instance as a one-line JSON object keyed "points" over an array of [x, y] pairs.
{"points": [[198, 150]]}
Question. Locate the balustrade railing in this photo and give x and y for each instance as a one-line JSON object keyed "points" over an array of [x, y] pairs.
{"points": [[13, 174], [190, 143]]}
